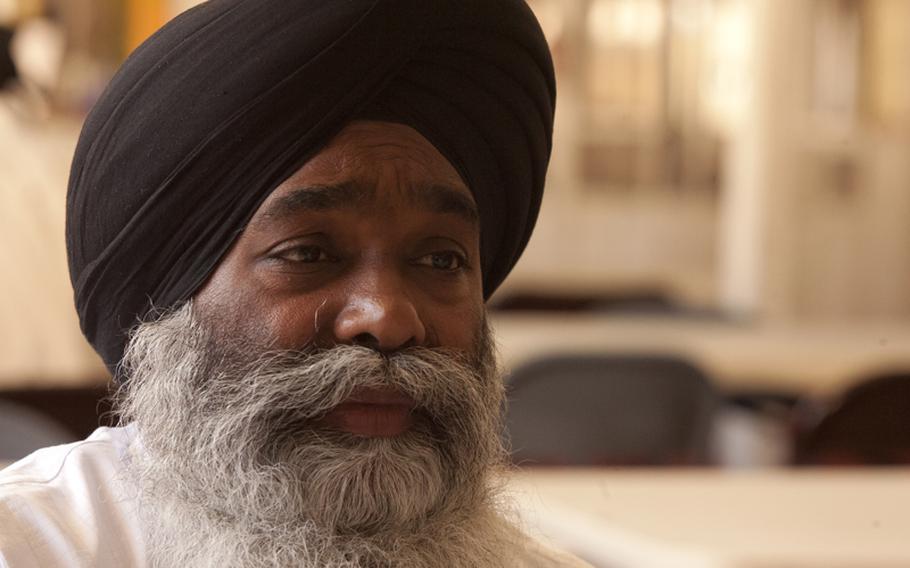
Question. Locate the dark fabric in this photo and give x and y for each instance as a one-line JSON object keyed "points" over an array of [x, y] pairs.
{"points": [[8, 71], [206, 118]]}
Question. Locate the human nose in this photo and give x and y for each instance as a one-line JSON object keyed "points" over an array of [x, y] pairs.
{"points": [[378, 313]]}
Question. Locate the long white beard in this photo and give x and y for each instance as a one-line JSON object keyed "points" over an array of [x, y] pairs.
{"points": [[230, 470]]}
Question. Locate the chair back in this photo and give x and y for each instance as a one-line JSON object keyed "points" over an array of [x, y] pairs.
{"points": [[869, 424], [610, 410], [23, 430]]}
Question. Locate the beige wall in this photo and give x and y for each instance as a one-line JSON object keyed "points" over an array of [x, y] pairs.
{"points": [[617, 242], [39, 334]]}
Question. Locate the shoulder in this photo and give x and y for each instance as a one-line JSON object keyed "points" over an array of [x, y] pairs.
{"points": [[58, 503], [45, 466]]}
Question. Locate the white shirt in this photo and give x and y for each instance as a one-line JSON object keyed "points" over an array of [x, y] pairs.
{"points": [[63, 507], [60, 507]]}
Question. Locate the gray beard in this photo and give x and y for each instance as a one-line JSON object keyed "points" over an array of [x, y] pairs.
{"points": [[230, 470]]}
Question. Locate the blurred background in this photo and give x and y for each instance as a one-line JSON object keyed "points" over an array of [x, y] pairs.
{"points": [[720, 274]]}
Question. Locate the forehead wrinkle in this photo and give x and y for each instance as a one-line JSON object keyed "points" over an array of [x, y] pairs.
{"points": [[318, 197], [435, 197]]}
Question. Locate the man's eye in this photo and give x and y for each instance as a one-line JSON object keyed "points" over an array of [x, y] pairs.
{"points": [[445, 260], [303, 254]]}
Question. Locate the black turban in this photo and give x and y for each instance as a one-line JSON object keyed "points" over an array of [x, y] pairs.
{"points": [[229, 99]]}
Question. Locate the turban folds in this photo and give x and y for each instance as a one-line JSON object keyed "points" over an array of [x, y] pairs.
{"points": [[225, 102]]}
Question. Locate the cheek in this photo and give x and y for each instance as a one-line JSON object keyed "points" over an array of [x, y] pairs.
{"points": [[462, 334], [297, 322], [249, 323], [456, 325], [244, 316]]}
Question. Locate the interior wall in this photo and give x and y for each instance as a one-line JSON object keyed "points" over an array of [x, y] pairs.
{"points": [[39, 332]]}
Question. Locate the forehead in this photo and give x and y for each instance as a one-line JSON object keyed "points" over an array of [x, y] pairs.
{"points": [[369, 165], [368, 149]]}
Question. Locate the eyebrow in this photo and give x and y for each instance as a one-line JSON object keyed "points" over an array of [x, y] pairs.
{"points": [[317, 198], [438, 198], [446, 200]]}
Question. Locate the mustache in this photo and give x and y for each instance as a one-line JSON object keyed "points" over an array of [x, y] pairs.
{"points": [[306, 384]]}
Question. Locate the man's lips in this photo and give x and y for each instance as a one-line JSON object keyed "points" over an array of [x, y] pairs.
{"points": [[372, 412], [389, 396]]}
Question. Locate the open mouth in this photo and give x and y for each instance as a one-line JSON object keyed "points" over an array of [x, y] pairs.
{"points": [[372, 412]]}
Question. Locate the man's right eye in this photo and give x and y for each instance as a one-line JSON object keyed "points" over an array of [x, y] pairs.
{"points": [[303, 254]]}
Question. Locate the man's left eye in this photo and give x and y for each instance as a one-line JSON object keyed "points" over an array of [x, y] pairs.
{"points": [[444, 260]]}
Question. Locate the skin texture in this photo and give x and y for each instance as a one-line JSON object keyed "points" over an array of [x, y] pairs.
{"points": [[372, 242]]}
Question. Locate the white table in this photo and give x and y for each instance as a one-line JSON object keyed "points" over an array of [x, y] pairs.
{"points": [[811, 360], [701, 518]]}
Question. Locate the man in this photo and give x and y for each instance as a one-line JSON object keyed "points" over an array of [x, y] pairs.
{"points": [[284, 218]]}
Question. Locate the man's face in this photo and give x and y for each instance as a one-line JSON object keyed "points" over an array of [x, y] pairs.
{"points": [[375, 242], [332, 391]]}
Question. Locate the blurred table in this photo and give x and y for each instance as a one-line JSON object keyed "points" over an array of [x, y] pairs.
{"points": [[816, 359], [694, 518]]}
